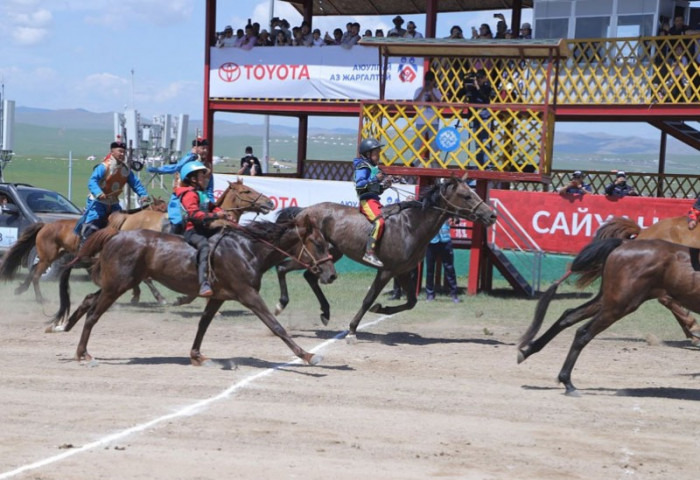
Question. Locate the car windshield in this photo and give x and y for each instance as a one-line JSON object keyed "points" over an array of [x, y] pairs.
{"points": [[46, 201]]}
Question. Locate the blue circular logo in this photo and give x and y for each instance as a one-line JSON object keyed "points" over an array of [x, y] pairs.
{"points": [[447, 139]]}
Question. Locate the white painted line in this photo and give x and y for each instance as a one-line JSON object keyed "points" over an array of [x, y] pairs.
{"points": [[183, 412]]}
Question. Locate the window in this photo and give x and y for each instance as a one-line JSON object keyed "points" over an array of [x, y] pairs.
{"points": [[552, 28]]}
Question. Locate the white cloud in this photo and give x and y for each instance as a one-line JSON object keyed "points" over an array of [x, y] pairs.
{"points": [[30, 25]]}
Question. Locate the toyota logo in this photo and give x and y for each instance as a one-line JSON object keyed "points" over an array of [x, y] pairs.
{"points": [[229, 72]]}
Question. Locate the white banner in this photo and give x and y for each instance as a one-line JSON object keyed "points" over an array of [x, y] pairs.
{"points": [[329, 72], [286, 192]]}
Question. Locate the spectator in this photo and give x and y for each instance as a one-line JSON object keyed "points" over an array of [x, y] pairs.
{"points": [[576, 185], [284, 26], [526, 31], [425, 115], [275, 28], [456, 32], [368, 33], [441, 247], [256, 29], [483, 32], [477, 90], [352, 40], [678, 28], [620, 188], [501, 26], [281, 39], [317, 41], [679, 74], [348, 32], [336, 39], [250, 165], [509, 34], [226, 39], [411, 31], [694, 214], [398, 30], [297, 37], [264, 40], [239, 35], [379, 33], [248, 40], [307, 38]]}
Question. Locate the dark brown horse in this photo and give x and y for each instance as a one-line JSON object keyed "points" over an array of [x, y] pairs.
{"points": [[239, 257], [409, 228], [632, 272]]}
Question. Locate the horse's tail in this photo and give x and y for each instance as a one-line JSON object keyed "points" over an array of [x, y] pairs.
{"points": [[589, 263], [288, 213], [63, 295], [541, 311], [116, 220], [15, 256], [617, 227]]}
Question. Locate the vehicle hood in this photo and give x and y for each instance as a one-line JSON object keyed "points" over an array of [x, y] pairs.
{"points": [[52, 217]]}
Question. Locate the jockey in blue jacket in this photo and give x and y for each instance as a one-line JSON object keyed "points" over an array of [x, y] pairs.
{"points": [[199, 153], [106, 184]]}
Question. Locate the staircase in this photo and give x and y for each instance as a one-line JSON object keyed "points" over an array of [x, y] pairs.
{"points": [[509, 271], [679, 130]]}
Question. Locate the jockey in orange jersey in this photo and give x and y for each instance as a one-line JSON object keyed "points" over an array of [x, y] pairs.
{"points": [[370, 182]]}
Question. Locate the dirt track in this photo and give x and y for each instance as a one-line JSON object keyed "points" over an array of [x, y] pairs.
{"points": [[417, 397]]}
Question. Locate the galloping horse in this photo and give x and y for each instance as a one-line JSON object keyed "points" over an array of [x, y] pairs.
{"points": [[407, 232], [51, 240], [673, 229], [239, 257], [632, 273]]}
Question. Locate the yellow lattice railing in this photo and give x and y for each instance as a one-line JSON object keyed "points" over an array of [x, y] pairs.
{"points": [[640, 70], [504, 138]]}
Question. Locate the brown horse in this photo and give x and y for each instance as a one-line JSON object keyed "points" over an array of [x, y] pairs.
{"points": [[674, 230], [237, 199], [409, 228], [239, 257], [51, 240], [632, 273]]}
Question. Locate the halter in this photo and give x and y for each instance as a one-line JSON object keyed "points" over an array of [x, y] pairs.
{"points": [[237, 195], [471, 216]]}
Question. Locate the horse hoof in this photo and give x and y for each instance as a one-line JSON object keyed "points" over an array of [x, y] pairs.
{"points": [[573, 393], [521, 357], [162, 301], [55, 328], [325, 319], [315, 359], [375, 308], [134, 300], [278, 309], [351, 339]]}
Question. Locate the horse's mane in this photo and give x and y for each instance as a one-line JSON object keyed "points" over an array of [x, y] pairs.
{"points": [[430, 197], [288, 213], [266, 230]]}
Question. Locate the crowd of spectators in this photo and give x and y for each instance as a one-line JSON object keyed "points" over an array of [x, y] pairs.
{"points": [[282, 34]]}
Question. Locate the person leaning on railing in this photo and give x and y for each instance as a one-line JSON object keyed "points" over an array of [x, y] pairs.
{"points": [[620, 187]]}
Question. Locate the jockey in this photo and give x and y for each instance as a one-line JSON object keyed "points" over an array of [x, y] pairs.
{"points": [[200, 153], [370, 182], [693, 215], [106, 184], [199, 212]]}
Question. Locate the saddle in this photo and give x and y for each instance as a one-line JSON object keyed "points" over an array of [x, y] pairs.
{"points": [[396, 208]]}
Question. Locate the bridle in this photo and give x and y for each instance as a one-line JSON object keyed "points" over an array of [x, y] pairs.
{"points": [[237, 196], [456, 210]]}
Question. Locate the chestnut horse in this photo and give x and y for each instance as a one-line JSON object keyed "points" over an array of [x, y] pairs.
{"points": [[51, 240], [673, 229], [239, 257], [409, 227], [632, 272]]}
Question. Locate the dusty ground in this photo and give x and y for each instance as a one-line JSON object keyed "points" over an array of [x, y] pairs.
{"points": [[417, 397]]}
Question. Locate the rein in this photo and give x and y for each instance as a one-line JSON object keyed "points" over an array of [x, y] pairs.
{"points": [[471, 216], [237, 196]]}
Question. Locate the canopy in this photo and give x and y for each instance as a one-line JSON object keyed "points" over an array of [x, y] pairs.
{"points": [[405, 7]]}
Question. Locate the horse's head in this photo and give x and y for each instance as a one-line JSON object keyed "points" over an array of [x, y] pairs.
{"points": [[158, 204], [460, 200], [313, 250], [243, 198]]}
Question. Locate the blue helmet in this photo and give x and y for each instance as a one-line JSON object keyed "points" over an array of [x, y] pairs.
{"points": [[191, 167]]}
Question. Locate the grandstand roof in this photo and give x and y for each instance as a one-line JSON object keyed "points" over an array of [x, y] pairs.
{"points": [[405, 7], [431, 47]]}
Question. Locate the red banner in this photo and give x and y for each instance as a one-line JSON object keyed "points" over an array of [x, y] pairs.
{"points": [[559, 224]]}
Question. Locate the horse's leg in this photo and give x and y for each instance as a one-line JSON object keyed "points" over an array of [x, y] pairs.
{"points": [[312, 280], [184, 300], [380, 280], [570, 317], [159, 298], [283, 301], [685, 319], [210, 310], [135, 294], [407, 282], [252, 300], [87, 303], [99, 305]]}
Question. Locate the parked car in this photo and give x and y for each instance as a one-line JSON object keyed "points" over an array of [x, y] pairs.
{"points": [[22, 205]]}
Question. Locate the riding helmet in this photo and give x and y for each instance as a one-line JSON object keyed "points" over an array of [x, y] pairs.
{"points": [[191, 167], [369, 144]]}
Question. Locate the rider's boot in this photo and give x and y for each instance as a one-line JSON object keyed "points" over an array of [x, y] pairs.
{"points": [[371, 257]]}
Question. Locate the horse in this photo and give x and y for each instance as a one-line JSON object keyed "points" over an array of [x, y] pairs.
{"points": [[239, 257], [236, 200], [409, 227], [632, 272], [672, 229], [51, 240]]}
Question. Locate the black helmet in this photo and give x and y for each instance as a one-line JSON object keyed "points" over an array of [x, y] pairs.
{"points": [[369, 144]]}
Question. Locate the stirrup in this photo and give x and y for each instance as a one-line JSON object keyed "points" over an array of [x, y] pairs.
{"points": [[205, 290], [372, 259]]}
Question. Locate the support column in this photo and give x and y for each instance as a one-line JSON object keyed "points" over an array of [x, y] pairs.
{"points": [[301, 144], [479, 268]]}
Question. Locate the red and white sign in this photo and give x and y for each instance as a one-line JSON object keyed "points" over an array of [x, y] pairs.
{"points": [[566, 224], [310, 73]]}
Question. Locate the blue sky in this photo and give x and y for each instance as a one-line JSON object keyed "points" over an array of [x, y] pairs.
{"points": [[80, 53]]}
